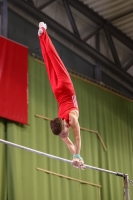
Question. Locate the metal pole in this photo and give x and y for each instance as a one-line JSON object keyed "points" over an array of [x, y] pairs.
{"points": [[58, 158], [126, 187], [3, 17]]}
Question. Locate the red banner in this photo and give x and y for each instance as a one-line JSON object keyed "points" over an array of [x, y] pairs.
{"points": [[13, 81]]}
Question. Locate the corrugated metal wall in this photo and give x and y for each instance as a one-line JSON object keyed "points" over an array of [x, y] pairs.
{"points": [[101, 111]]}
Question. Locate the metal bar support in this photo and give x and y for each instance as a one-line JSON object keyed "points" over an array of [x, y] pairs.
{"points": [[126, 187]]}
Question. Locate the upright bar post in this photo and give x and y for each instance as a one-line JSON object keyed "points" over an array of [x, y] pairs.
{"points": [[126, 187]]}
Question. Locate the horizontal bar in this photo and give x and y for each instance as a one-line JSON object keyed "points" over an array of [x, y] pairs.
{"points": [[59, 158]]}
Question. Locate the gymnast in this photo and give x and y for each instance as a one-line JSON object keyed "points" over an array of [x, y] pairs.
{"points": [[63, 89]]}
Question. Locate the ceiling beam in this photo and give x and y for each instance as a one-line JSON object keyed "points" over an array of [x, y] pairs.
{"points": [[3, 18], [93, 33], [45, 4], [97, 19], [97, 44], [81, 45], [112, 46], [31, 2], [128, 65], [70, 17]]}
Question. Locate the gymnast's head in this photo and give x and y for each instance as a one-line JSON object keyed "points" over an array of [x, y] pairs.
{"points": [[60, 127]]}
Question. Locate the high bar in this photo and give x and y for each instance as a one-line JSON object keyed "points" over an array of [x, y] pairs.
{"points": [[59, 158]]}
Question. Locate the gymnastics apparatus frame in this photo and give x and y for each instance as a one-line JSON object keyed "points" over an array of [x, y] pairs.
{"points": [[124, 176]]}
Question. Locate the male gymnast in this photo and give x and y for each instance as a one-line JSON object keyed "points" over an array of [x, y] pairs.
{"points": [[65, 95]]}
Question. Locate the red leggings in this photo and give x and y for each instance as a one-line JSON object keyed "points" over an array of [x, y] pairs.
{"points": [[56, 70]]}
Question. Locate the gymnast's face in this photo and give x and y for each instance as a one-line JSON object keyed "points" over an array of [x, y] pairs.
{"points": [[65, 132]]}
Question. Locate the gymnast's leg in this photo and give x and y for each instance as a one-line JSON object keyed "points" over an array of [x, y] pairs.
{"points": [[53, 62]]}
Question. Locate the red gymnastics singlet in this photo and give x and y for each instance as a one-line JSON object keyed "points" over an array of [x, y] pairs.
{"points": [[59, 78]]}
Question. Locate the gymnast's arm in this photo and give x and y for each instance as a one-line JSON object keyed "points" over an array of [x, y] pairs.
{"points": [[73, 121], [69, 144], [75, 148]]}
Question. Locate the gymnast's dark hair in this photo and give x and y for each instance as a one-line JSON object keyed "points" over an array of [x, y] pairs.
{"points": [[56, 125]]}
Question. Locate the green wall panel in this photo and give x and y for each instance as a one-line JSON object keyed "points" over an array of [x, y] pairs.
{"points": [[3, 163], [100, 110]]}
